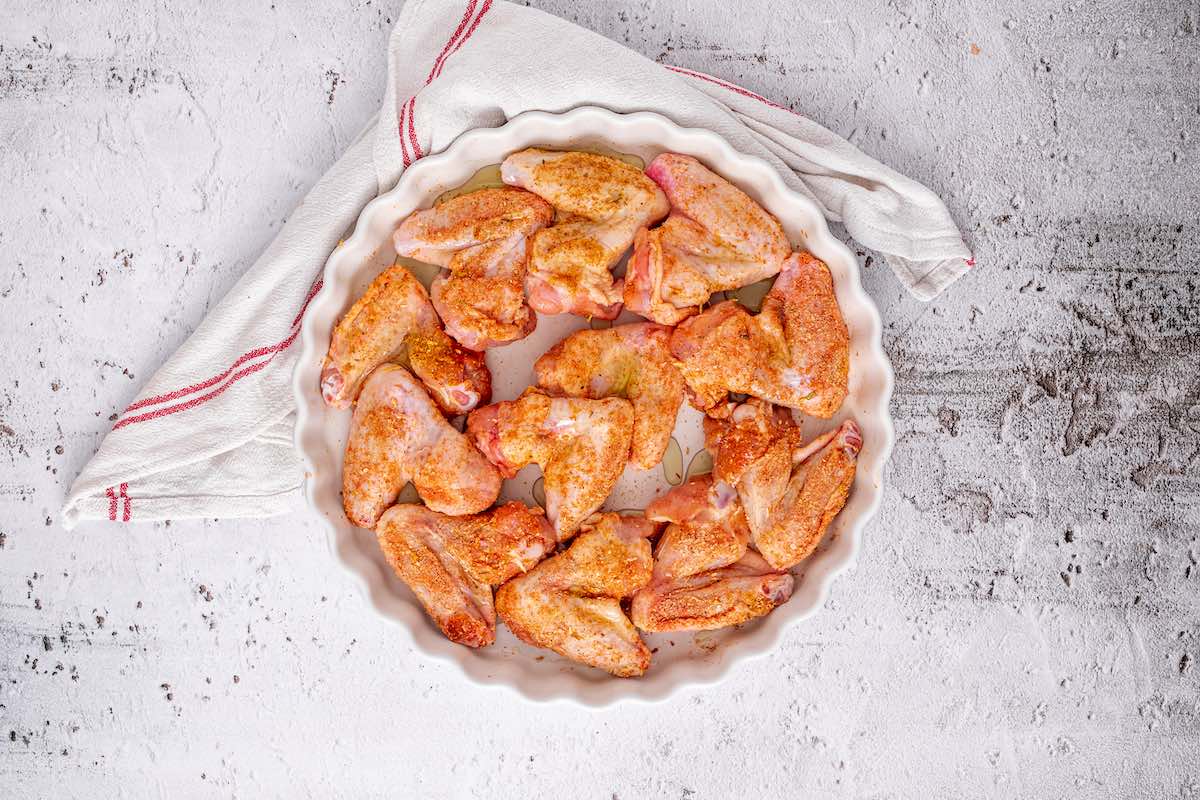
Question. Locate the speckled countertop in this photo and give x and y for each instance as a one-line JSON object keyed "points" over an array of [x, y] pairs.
{"points": [[1024, 621]]}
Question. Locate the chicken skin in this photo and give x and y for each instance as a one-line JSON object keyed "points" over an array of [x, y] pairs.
{"points": [[601, 203], [393, 317], [742, 435], [705, 577], [581, 445], [795, 352], [752, 450], [571, 603], [708, 529], [398, 435], [716, 238], [452, 563], [790, 492], [631, 361], [482, 239]]}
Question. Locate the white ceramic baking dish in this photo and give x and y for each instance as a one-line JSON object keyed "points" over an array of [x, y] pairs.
{"points": [[680, 659]]}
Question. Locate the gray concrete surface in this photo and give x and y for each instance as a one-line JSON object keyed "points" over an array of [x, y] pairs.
{"points": [[1025, 621]]}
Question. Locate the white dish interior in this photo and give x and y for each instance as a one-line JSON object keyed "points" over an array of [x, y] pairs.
{"points": [[680, 659]]}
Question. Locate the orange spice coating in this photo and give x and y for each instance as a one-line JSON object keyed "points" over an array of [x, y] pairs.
{"points": [[570, 603], [600, 202], [816, 492], [398, 435], [795, 352], [705, 577], [482, 239], [631, 361], [716, 238], [394, 317], [581, 445], [790, 492], [451, 563]]}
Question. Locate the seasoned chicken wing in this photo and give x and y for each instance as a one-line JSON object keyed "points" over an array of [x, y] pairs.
{"points": [[451, 563], [716, 238], [398, 435], [581, 445], [482, 239], [790, 492], [393, 317], [752, 449], [817, 490], [708, 527], [571, 603], [705, 577], [728, 595], [601, 202], [741, 435], [630, 361], [795, 352]]}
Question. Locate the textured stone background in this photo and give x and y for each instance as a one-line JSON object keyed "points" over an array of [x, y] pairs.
{"points": [[1025, 620]]}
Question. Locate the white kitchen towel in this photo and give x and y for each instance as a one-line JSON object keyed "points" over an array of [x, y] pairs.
{"points": [[210, 435]]}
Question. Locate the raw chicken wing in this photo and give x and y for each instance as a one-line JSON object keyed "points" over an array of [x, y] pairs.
{"points": [[398, 435], [482, 238], [708, 528], [752, 450], [451, 563], [795, 352], [571, 603], [716, 238], [581, 445], [631, 361], [601, 203], [394, 317], [705, 577], [790, 492], [740, 435]]}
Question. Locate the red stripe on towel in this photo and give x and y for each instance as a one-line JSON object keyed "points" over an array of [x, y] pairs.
{"points": [[412, 130], [487, 5], [457, 39], [730, 86], [462, 25], [226, 378], [202, 399], [400, 133]]}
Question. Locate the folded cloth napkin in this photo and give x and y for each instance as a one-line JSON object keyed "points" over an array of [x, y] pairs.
{"points": [[210, 435]]}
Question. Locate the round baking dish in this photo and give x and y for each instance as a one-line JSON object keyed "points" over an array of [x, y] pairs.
{"points": [[680, 660]]}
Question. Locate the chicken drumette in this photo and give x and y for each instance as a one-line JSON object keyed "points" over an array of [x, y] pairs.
{"points": [[398, 435], [452, 563], [705, 577], [601, 203], [581, 445], [482, 239], [630, 361], [394, 317], [716, 238], [571, 603], [790, 492], [795, 352]]}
